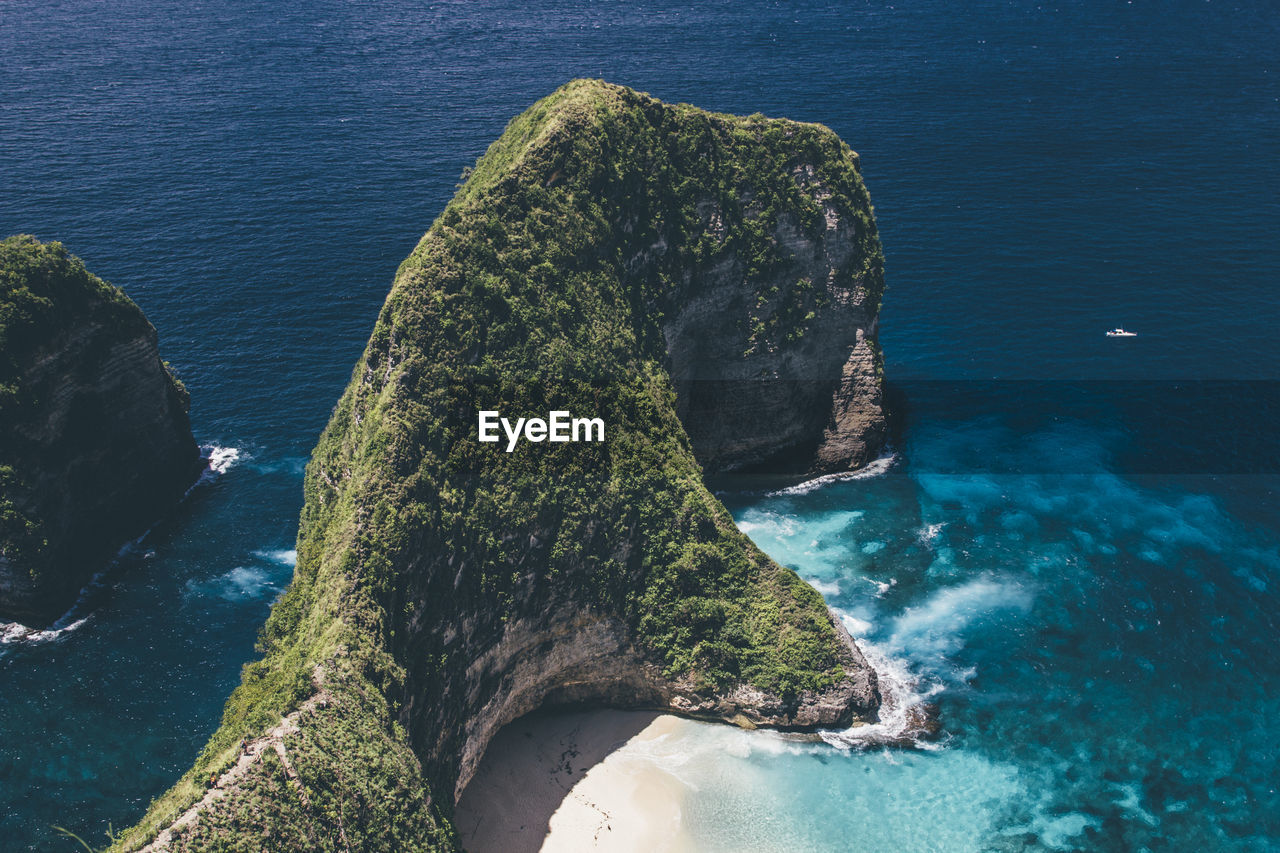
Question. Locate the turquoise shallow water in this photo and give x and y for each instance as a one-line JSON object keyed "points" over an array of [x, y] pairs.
{"points": [[1100, 649], [1096, 629]]}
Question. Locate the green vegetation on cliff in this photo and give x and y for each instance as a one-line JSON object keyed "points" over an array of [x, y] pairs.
{"points": [[542, 286], [45, 289]]}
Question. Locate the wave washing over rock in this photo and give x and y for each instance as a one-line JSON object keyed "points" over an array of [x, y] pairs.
{"points": [[707, 285], [907, 715], [874, 468]]}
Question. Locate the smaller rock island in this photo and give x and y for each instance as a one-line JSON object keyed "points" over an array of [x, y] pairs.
{"points": [[95, 442]]}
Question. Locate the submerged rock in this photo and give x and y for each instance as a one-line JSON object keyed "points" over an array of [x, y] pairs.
{"points": [[95, 444], [707, 285]]}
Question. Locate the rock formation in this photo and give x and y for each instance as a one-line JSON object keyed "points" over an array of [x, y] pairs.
{"points": [[94, 439], [707, 285], [800, 391]]}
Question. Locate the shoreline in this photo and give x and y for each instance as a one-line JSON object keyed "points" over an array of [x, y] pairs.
{"points": [[581, 780]]}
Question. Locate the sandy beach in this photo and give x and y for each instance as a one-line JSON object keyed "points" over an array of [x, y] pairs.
{"points": [[587, 780]]}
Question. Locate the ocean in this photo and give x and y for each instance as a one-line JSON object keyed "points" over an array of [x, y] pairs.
{"points": [[1074, 551]]}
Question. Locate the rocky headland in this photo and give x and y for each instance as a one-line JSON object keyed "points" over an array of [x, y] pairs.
{"points": [[708, 285]]}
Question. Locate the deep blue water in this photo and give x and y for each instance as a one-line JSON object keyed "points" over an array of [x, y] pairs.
{"points": [[1101, 633]]}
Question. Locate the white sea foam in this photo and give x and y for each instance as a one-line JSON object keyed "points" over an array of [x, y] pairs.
{"points": [[16, 632], [768, 523], [882, 587], [245, 582], [904, 717], [935, 628], [283, 557], [217, 461], [221, 459], [930, 532], [874, 468], [855, 626], [239, 584], [829, 589], [248, 582]]}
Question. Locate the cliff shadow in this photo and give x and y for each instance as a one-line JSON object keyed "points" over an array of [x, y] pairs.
{"points": [[530, 768]]}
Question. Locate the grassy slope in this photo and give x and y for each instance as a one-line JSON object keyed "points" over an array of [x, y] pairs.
{"points": [[517, 299]]}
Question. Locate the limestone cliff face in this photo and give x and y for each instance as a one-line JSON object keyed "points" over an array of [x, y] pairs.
{"points": [[705, 284], [95, 443], [780, 372], [569, 657]]}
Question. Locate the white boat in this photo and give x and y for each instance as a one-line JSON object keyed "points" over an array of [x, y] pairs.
{"points": [[1121, 333]]}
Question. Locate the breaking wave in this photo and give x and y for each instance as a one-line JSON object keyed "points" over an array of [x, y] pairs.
{"points": [[16, 632], [875, 468], [222, 458], [279, 556], [218, 460], [906, 714]]}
